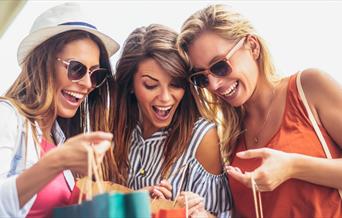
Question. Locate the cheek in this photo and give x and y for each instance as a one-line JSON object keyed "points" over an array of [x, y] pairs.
{"points": [[179, 94]]}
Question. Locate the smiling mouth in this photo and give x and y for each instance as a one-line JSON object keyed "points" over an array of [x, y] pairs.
{"points": [[162, 112], [73, 97], [231, 90]]}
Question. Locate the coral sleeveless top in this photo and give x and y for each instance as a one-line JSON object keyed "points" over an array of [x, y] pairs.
{"points": [[54, 194], [293, 198]]}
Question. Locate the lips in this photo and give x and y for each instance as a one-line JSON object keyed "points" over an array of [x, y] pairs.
{"points": [[231, 90], [162, 112], [73, 97]]}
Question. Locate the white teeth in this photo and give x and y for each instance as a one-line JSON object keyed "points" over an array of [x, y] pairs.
{"points": [[230, 90], [74, 94], [163, 108]]}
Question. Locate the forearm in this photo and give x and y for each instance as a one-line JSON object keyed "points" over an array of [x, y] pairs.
{"points": [[32, 180], [321, 171]]}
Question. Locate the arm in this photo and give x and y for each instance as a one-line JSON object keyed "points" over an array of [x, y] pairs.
{"points": [[325, 99], [72, 155], [209, 156], [208, 152], [323, 94]]}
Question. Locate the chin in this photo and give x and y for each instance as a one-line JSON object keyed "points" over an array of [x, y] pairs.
{"points": [[67, 114]]}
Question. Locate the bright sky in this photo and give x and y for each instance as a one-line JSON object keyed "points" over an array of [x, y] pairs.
{"points": [[300, 34]]}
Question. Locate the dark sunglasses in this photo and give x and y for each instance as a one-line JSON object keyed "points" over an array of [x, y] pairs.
{"points": [[220, 68], [76, 71]]}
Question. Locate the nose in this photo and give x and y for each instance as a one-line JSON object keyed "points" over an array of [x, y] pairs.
{"points": [[165, 95], [213, 82], [86, 81]]}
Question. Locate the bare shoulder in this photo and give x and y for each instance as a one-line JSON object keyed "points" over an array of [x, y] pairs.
{"points": [[208, 152], [319, 86]]}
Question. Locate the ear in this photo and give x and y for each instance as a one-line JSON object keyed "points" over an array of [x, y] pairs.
{"points": [[254, 45]]}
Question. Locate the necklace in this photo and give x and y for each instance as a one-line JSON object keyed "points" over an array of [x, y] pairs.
{"points": [[257, 136]]}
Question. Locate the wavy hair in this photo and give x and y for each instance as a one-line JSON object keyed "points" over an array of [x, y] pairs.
{"points": [[229, 25], [33, 92], [158, 43]]}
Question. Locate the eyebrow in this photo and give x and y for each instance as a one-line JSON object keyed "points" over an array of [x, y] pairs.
{"points": [[94, 67], [150, 77]]}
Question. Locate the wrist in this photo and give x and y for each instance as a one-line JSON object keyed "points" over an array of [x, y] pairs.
{"points": [[295, 165], [54, 160]]}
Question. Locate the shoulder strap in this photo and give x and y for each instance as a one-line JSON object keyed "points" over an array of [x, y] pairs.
{"points": [[313, 121]]}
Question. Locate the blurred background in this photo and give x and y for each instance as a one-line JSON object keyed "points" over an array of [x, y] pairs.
{"points": [[300, 34]]}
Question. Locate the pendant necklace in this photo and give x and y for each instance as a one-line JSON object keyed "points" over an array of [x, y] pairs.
{"points": [[257, 136]]}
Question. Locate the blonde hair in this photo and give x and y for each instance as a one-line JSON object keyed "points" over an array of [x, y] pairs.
{"points": [[229, 25]]}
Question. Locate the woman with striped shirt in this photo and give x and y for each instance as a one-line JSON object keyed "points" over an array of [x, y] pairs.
{"points": [[161, 142]]}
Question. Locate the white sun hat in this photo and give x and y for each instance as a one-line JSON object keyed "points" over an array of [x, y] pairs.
{"points": [[61, 18]]}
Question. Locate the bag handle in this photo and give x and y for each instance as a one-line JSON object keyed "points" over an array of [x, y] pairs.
{"points": [[257, 199], [93, 169], [313, 122]]}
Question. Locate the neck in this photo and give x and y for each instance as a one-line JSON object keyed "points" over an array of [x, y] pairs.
{"points": [[46, 128], [260, 101], [148, 129]]}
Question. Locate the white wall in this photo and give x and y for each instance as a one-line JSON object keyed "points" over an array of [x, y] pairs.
{"points": [[300, 34]]}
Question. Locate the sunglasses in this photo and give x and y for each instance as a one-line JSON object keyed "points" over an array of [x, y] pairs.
{"points": [[76, 71], [220, 68]]}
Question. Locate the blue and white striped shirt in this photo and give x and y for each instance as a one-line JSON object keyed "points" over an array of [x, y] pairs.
{"points": [[146, 158]]}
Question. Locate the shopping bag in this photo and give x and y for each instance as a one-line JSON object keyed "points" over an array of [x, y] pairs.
{"points": [[95, 201]]}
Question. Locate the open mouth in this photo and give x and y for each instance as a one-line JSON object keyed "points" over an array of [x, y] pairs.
{"points": [[72, 97], [162, 112], [231, 90]]}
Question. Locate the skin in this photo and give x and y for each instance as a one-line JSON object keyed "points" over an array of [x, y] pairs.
{"points": [[73, 154], [153, 86], [255, 93]]}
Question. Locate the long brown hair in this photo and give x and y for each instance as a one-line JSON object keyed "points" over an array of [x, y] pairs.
{"points": [[156, 42], [229, 25], [33, 92]]}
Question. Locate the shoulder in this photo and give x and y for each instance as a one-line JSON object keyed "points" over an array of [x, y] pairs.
{"points": [[203, 123], [8, 113], [319, 86], [208, 152]]}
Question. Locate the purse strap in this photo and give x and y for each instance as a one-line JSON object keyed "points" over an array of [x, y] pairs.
{"points": [[313, 122]]}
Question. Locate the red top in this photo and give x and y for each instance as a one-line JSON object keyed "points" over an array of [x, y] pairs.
{"points": [[54, 194], [293, 198]]}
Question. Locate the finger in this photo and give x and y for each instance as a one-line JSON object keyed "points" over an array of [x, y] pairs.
{"points": [[193, 211], [243, 178], [101, 147], [158, 193], [97, 136], [252, 153], [195, 201], [166, 184], [166, 192], [231, 168]]}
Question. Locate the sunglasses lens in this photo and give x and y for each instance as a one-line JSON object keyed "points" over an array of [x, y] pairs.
{"points": [[76, 70], [200, 80], [98, 77], [221, 68]]}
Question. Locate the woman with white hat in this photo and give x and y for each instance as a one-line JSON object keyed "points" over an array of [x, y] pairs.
{"points": [[63, 59]]}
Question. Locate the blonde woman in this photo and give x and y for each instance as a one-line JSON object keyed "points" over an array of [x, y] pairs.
{"points": [[264, 125]]}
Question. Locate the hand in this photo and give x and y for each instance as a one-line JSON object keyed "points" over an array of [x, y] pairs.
{"points": [[73, 154], [276, 168], [195, 204], [163, 190]]}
